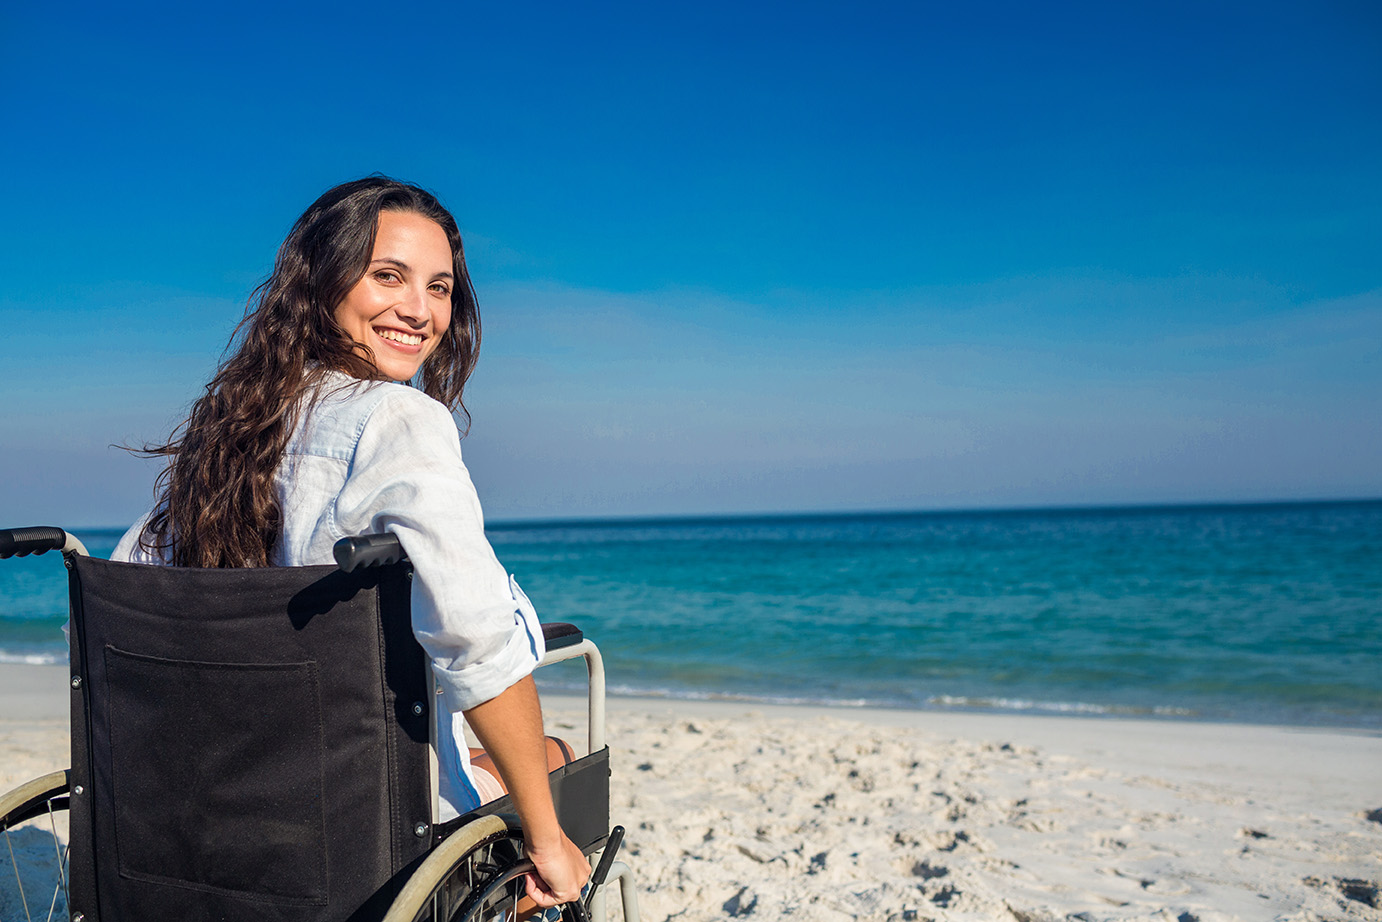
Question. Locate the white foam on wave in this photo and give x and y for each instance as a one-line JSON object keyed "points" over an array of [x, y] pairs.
{"points": [[680, 694], [33, 659], [795, 701], [935, 702], [1054, 707]]}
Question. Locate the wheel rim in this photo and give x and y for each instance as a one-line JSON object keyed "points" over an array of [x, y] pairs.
{"points": [[33, 822]]}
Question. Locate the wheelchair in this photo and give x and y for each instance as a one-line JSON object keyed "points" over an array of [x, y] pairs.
{"points": [[260, 744]]}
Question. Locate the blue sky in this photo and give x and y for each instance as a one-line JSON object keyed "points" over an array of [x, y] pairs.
{"points": [[736, 257]]}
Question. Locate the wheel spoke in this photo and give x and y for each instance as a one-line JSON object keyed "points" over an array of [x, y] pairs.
{"points": [[22, 823], [60, 850], [18, 878]]}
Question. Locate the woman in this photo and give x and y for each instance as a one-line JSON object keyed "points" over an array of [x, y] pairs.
{"points": [[309, 432]]}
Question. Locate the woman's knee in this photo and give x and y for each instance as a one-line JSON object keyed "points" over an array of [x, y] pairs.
{"points": [[559, 753]]}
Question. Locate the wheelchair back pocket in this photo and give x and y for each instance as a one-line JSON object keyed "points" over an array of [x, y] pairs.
{"points": [[217, 776]]}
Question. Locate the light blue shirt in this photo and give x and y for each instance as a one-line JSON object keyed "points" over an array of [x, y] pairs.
{"points": [[379, 456]]}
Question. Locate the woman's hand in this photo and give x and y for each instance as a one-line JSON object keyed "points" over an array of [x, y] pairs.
{"points": [[559, 872]]}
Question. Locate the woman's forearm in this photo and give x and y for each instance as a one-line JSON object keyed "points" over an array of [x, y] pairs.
{"points": [[509, 728]]}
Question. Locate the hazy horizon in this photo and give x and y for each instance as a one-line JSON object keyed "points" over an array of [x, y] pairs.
{"points": [[810, 514]]}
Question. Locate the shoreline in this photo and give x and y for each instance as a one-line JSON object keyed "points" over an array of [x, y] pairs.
{"points": [[42, 689], [737, 808]]}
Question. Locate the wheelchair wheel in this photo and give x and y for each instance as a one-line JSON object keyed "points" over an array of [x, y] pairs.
{"points": [[33, 822], [474, 875]]}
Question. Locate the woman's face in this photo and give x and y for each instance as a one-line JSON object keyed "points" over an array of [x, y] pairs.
{"points": [[402, 305]]}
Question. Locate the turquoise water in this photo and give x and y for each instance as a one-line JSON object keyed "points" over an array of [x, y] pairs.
{"points": [[1269, 613]]}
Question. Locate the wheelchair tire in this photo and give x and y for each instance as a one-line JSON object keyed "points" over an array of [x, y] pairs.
{"points": [[33, 823], [474, 875]]}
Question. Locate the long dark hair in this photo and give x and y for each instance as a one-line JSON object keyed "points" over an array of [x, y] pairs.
{"points": [[217, 506]]}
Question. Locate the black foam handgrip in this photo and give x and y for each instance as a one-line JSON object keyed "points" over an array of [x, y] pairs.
{"points": [[367, 551], [20, 542]]}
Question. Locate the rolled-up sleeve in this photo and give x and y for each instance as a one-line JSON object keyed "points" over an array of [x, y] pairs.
{"points": [[406, 477]]}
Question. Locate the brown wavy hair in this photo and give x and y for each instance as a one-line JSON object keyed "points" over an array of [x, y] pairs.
{"points": [[217, 506]]}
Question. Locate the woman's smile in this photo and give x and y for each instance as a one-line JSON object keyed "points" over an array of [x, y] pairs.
{"points": [[397, 336]]}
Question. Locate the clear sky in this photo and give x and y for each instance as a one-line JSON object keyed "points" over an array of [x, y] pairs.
{"points": [[733, 257]]}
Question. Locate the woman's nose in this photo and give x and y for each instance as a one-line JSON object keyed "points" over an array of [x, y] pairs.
{"points": [[412, 306]]}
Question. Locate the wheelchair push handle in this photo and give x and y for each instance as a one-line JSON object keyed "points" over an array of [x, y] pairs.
{"points": [[37, 539], [367, 551]]}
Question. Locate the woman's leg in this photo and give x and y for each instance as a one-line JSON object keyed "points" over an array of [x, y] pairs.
{"points": [[559, 753]]}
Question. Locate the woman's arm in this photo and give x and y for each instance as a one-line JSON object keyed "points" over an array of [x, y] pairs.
{"points": [[479, 630], [406, 476], [509, 726]]}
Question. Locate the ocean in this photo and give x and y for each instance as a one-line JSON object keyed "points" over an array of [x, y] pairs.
{"points": [[1255, 613]]}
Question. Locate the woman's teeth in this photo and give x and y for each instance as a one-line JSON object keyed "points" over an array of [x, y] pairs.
{"points": [[408, 339]]}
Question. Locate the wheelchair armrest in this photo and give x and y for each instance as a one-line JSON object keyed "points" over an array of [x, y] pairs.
{"points": [[559, 634], [375, 550]]}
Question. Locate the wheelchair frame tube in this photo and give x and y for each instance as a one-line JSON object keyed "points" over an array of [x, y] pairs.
{"points": [[595, 706], [628, 895], [433, 763], [595, 669]]}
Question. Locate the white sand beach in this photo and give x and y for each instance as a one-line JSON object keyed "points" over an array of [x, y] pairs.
{"points": [[764, 812]]}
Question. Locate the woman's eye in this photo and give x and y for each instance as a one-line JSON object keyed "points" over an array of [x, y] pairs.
{"points": [[441, 289], [387, 275]]}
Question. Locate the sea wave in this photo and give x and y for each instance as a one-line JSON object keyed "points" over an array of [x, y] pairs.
{"points": [[35, 658], [983, 703], [933, 703], [691, 694]]}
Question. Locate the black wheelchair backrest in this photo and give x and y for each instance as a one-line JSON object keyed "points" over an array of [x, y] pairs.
{"points": [[246, 744]]}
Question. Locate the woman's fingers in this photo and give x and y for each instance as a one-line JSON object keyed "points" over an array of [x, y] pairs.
{"points": [[558, 877]]}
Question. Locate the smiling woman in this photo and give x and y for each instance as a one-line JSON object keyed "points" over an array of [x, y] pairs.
{"points": [[368, 258], [311, 432]]}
